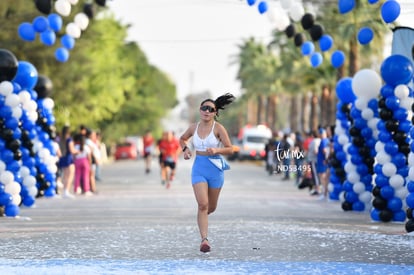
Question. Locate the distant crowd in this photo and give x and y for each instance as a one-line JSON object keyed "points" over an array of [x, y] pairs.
{"points": [[79, 155], [303, 157]]}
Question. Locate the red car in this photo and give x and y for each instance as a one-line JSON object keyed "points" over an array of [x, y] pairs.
{"points": [[126, 150]]}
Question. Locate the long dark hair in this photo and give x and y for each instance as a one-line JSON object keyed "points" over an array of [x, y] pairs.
{"points": [[220, 102]]}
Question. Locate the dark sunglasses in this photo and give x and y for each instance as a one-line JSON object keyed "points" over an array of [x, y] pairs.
{"points": [[207, 108]]}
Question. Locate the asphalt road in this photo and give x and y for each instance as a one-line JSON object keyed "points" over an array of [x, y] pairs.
{"points": [[262, 225]]}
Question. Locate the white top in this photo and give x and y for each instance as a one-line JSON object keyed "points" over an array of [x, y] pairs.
{"points": [[82, 154], [210, 141]]}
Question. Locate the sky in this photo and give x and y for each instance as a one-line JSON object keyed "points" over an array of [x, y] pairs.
{"points": [[195, 42]]}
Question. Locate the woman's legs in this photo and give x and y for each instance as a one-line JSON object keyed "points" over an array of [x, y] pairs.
{"points": [[68, 174], [207, 199]]}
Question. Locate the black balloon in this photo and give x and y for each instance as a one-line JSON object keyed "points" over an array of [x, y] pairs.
{"points": [[8, 65], [290, 30], [347, 206], [354, 132], [376, 191], [307, 21], [316, 32], [13, 145], [379, 203], [392, 125], [89, 10], [299, 39], [409, 213], [409, 226], [405, 149], [43, 87], [385, 215], [100, 2], [44, 6]]}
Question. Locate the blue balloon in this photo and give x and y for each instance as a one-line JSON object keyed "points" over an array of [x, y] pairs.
{"points": [[366, 132], [399, 216], [262, 7], [392, 102], [394, 204], [397, 69], [28, 201], [345, 6], [375, 215], [12, 123], [251, 2], [316, 59], [351, 196], [410, 200], [358, 206], [387, 192], [401, 114], [405, 126], [365, 35], [307, 48], [11, 210], [337, 59], [387, 90], [344, 90], [6, 111], [390, 11], [62, 54], [26, 32], [399, 160], [67, 41], [410, 186], [5, 198], [48, 37], [347, 186], [55, 22], [391, 147], [26, 75], [373, 1], [325, 42], [40, 24], [373, 104]]}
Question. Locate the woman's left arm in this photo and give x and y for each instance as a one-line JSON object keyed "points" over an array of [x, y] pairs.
{"points": [[223, 136]]}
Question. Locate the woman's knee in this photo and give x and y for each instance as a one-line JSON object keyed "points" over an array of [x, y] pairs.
{"points": [[203, 206]]}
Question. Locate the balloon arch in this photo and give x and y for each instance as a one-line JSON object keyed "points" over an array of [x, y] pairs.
{"points": [[373, 133]]}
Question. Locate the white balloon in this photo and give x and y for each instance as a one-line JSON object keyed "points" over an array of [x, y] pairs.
{"points": [[383, 158], [73, 30], [6, 88], [343, 139], [48, 103], [367, 114], [411, 159], [282, 22], [29, 181], [73, 2], [342, 196], [365, 197], [2, 166], [358, 187], [16, 199], [81, 20], [406, 103], [401, 193], [402, 91], [349, 167], [32, 191], [396, 181], [296, 12], [389, 169], [353, 177], [63, 7], [411, 173], [13, 188], [366, 83], [379, 146], [17, 112], [361, 103], [372, 123], [6, 177], [24, 171], [24, 96], [12, 100], [286, 4]]}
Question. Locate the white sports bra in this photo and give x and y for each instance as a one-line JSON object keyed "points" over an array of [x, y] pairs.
{"points": [[209, 142]]}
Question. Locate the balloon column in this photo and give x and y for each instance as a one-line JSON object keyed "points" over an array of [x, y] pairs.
{"points": [[393, 140], [361, 150], [26, 156], [341, 139], [48, 27]]}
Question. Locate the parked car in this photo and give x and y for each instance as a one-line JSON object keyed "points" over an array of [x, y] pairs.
{"points": [[125, 150], [253, 142]]}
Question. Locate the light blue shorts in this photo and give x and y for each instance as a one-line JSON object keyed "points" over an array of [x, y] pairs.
{"points": [[205, 171]]}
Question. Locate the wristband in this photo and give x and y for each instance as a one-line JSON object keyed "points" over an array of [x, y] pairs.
{"points": [[185, 148]]}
